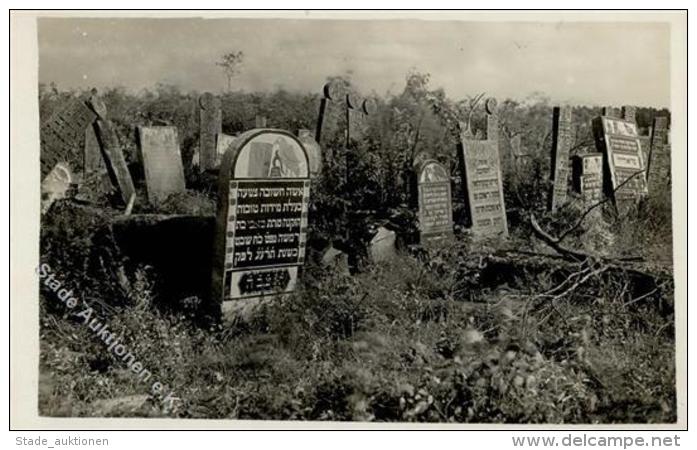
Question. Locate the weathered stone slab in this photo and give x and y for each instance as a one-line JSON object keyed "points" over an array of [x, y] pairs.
{"points": [[619, 142], [562, 139], [261, 225], [435, 203], [383, 246], [481, 166], [314, 151], [162, 162], [222, 143], [629, 113], [94, 161], [63, 134], [210, 125], [612, 112], [588, 176], [658, 164], [55, 185]]}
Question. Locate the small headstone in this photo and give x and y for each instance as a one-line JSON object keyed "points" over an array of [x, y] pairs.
{"points": [[210, 125], [261, 226], [260, 122], [619, 142], [162, 162], [335, 259], [588, 176], [55, 185], [435, 203], [222, 143], [481, 168], [383, 246], [94, 162], [629, 113], [113, 156], [63, 134], [561, 144], [314, 152]]}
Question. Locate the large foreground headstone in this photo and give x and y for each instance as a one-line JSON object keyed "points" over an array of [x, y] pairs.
{"points": [[588, 176], [162, 162], [63, 134], [210, 125], [618, 140], [261, 223], [435, 203], [561, 144], [481, 166]]}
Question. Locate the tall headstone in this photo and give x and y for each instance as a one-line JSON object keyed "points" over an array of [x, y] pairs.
{"points": [[624, 172], [222, 143], [588, 176], [63, 134], [113, 156], [261, 225], [561, 145], [93, 160], [162, 162], [481, 167], [658, 164], [210, 125], [435, 203], [314, 152]]}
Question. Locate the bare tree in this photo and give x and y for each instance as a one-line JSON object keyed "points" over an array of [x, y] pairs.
{"points": [[231, 64]]}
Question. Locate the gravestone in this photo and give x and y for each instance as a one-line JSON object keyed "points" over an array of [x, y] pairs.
{"points": [[63, 134], [162, 162], [113, 156], [55, 185], [481, 172], [222, 143], [435, 203], [93, 162], [624, 169], [629, 113], [383, 246], [210, 125], [314, 152], [658, 164], [588, 177], [261, 225], [561, 145], [612, 112]]}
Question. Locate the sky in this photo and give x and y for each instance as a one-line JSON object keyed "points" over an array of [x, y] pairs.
{"points": [[570, 62]]}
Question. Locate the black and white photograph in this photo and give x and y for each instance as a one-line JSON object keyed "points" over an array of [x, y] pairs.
{"points": [[357, 217]]}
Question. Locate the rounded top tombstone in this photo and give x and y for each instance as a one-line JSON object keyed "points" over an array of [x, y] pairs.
{"points": [[431, 171], [354, 100], [370, 106], [491, 105], [334, 91], [313, 149]]}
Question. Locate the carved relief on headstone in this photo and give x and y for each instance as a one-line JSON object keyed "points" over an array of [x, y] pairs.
{"points": [[113, 156], [314, 152], [210, 125], [561, 145], [261, 225], [435, 202], [588, 176], [62, 135], [162, 162], [481, 168], [618, 140], [222, 143], [55, 185]]}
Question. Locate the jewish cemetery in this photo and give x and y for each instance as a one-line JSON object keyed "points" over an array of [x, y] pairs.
{"points": [[336, 246]]}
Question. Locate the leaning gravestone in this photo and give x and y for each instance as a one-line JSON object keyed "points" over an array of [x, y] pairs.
{"points": [[261, 225], [588, 177], [481, 167], [222, 143], [618, 140], [63, 134], [115, 161], [55, 185], [162, 162], [561, 145], [210, 125], [435, 203], [93, 160]]}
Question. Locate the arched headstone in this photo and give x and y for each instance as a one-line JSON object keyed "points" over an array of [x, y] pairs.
{"points": [[261, 224], [435, 202]]}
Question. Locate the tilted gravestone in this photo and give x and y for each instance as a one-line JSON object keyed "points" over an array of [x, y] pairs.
{"points": [[588, 176], [481, 168], [93, 160], [314, 152], [113, 156], [261, 225], [222, 143], [624, 169], [210, 125], [561, 145], [435, 203], [162, 162], [63, 134]]}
